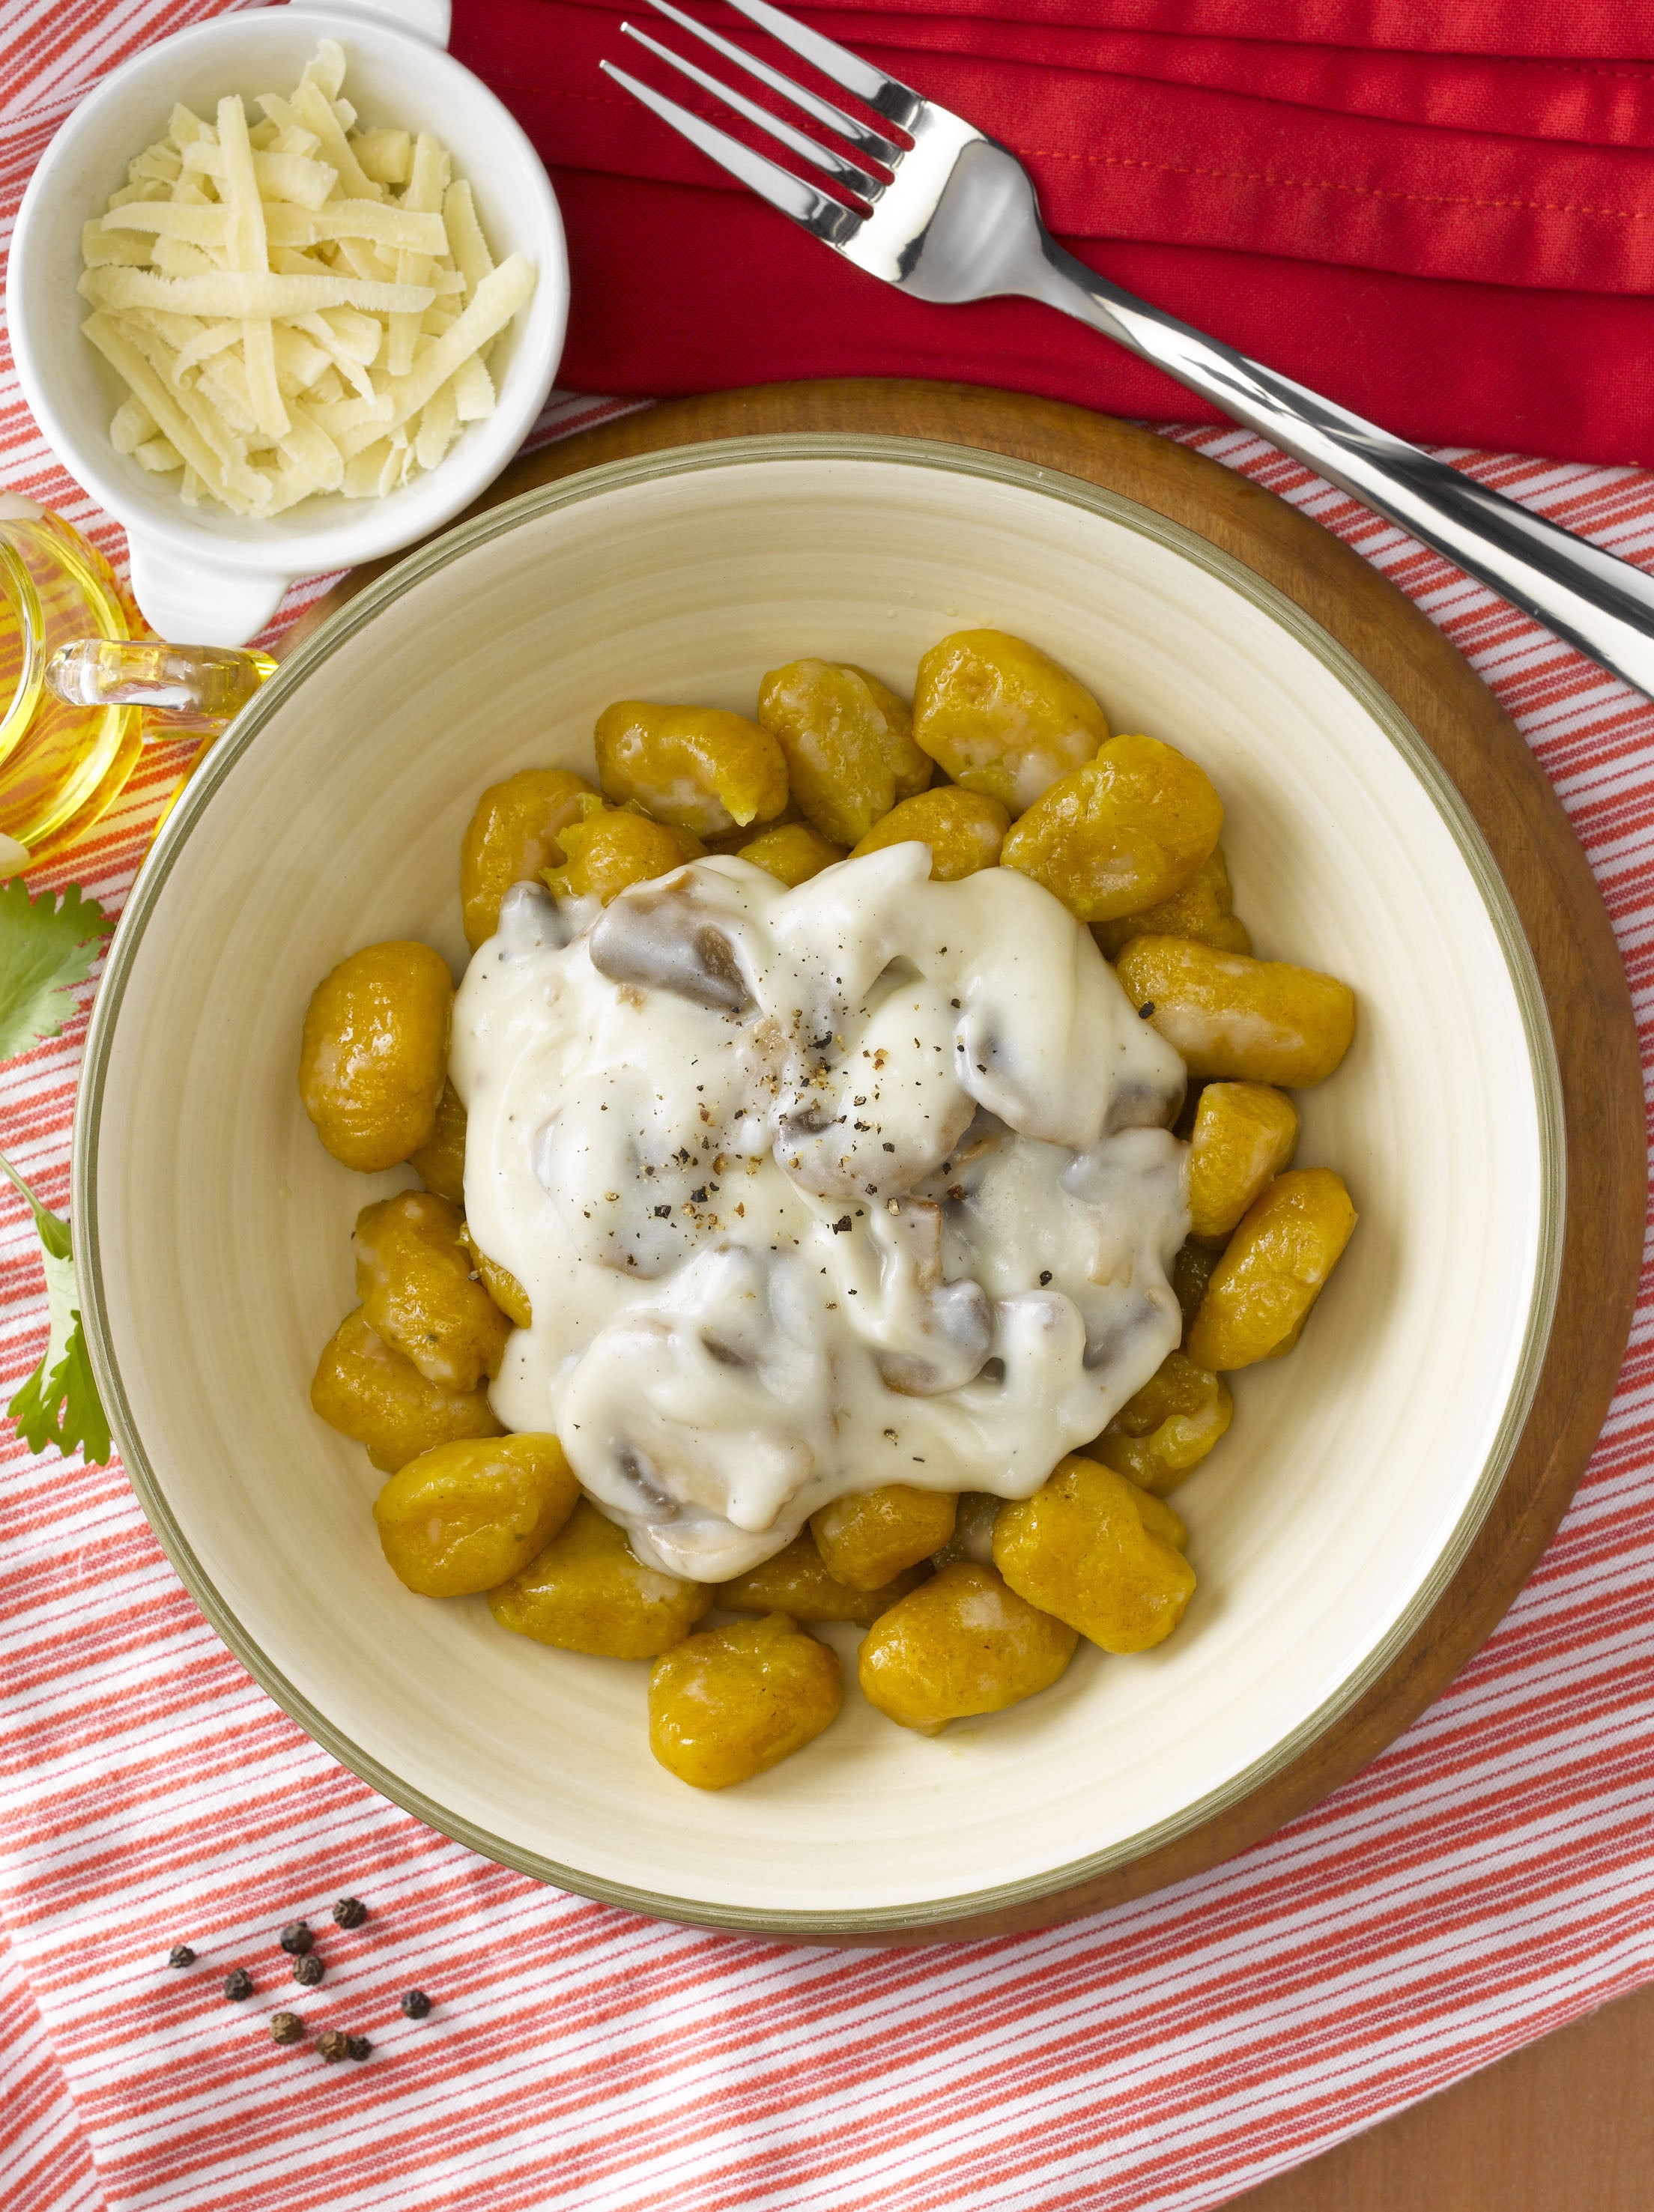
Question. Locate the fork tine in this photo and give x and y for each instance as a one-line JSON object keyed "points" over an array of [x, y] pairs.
{"points": [[861, 136], [885, 95], [826, 218], [836, 164]]}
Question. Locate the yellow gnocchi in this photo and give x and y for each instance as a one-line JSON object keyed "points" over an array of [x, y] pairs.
{"points": [[1237, 1019], [1272, 1270], [1128, 829]]}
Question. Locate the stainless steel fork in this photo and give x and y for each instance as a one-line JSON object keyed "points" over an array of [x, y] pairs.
{"points": [[953, 216]]}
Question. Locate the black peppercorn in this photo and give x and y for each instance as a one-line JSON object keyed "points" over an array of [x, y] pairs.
{"points": [[286, 2026], [307, 1969], [414, 2004], [181, 1955], [1146, 1010], [296, 1937], [350, 1913], [237, 1984], [357, 2045], [333, 2046]]}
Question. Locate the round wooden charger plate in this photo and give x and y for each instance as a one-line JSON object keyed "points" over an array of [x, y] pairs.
{"points": [[1554, 893]]}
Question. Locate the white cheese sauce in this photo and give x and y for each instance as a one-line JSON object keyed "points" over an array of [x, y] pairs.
{"points": [[815, 1190]]}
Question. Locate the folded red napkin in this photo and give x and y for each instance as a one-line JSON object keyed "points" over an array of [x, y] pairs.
{"points": [[1442, 216]]}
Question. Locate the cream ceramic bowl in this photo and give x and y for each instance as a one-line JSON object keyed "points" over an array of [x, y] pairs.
{"points": [[202, 575], [214, 1231]]}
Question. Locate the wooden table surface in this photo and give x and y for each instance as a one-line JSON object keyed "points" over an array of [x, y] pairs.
{"points": [[1566, 2124]]}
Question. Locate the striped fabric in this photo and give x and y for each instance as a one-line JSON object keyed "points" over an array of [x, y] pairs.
{"points": [[1490, 1877]]}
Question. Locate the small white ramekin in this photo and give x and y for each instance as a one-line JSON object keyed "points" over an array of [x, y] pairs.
{"points": [[202, 576]]}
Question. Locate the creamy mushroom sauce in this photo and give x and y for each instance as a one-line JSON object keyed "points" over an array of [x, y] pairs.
{"points": [[815, 1190]]}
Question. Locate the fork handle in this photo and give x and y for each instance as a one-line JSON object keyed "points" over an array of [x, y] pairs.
{"points": [[1601, 604]]}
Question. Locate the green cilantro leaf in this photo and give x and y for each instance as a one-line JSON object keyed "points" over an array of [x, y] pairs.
{"points": [[60, 1403], [48, 946]]}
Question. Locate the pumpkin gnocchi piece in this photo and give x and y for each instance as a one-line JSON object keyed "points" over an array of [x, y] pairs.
{"points": [[1161, 1435], [867, 1539], [374, 1055], [965, 830], [792, 852], [589, 1591], [610, 849], [414, 1279], [698, 769], [439, 1163], [1002, 717], [1204, 910], [962, 1643], [797, 1581], [1245, 1135], [502, 1285], [512, 838], [1126, 831], [464, 1516], [1272, 1270], [369, 1391], [1237, 1019], [732, 1702], [1091, 1549], [848, 740]]}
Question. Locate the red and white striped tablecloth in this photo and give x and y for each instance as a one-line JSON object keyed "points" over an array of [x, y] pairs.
{"points": [[1487, 1879]]}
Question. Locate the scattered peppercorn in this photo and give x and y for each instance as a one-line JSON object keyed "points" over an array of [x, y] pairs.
{"points": [[308, 1969], [1045, 1278], [1146, 1010], [296, 1937], [414, 2004], [357, 2045], [181, 1955], [350, 1913], [237, 1984], [333, 2046], [286, 2026]]}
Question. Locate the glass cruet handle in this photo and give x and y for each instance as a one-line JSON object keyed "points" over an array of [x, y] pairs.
{"points": [[192, 687]]}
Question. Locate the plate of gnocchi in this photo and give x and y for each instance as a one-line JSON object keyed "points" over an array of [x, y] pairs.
{"points": [[861, 1184]]}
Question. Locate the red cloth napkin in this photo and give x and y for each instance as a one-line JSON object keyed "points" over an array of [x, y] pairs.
{"points": [[1442, 216]]}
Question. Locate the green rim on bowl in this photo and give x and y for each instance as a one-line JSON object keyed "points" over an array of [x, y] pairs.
{"points": [[594, 485]]}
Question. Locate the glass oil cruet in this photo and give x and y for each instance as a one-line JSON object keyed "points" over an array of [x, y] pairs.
{"points": [[79, 678]]}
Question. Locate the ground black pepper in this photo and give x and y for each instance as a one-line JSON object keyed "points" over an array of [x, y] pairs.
{"points": [[414, 2004], [237, 1984], [308, 1970], [181, 1955], [1146, 1010], [286, 2026], [350, 1913], [333, 2046], [296, 1937]]}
